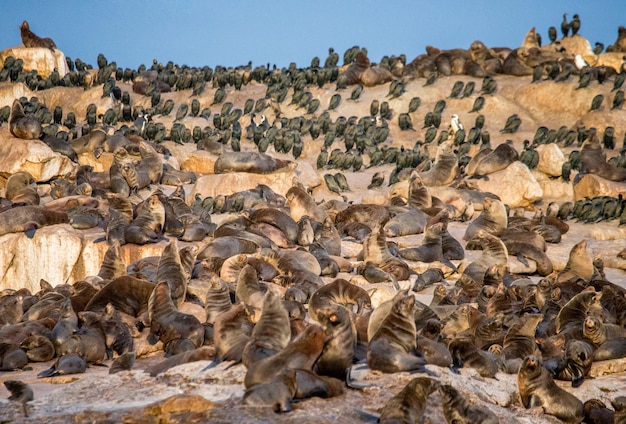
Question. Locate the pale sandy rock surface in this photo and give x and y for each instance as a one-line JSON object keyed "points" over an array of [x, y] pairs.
{"points": [[40, 59]]}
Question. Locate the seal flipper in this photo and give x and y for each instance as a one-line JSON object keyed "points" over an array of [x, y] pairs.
{"points": [[30, 230], [522, 259]]}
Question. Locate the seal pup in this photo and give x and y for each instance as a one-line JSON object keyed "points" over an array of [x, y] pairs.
{"points": [[493, 219], [67, 364], [169, 325], [302, 352], [465, 353], [409, 405], [21, 188], [338, 353], [124, 362], [457, 409], [30, 39], [170, 269], [20, 392], [339, 292], [148, 226], [22, 125], [537, 388], [392, 347], [277, 393], [431, 249], [271, 333]]}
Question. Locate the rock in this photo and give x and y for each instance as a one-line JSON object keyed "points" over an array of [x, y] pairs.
{"points": [[554, 188], [551, 159], [10, 92], [200, 162], [592, 186], [577, 44], [40, 59], [233, 182], [101, 164], [515, 186], [32, 156], [612, 59], [179, 403], [607, 367]]}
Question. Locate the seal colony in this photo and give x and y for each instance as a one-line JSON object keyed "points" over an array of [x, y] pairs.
{"points": [[296, 293]]}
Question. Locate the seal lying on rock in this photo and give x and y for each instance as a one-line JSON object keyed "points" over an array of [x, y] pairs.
{"points": [[254, 162]]}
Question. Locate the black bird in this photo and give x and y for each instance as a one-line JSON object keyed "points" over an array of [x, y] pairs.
{"points": [[431, 78], [219, 96], [457, 88], [478, 104], [599, 47], [356, 92], [374, 106], [414, 104], [342, 182], [313, 106], [564, 26], [332, 59], [331, 183], [512, 124], [566, 171], [554, 71], [480, 121], [473, 136], [404, 122], [529, 157], [585, 78], [575, 24], [182, 111], [396, 89], [596, 102], [431, 133], [619, 81], [489, 85], [335, 100], [385, 110], [485, 140], [564, 75], [469, 89], [608, 138], [537, 73], [552, 34], [440, 106], [322, 159], [377, 180], [618, 100]]}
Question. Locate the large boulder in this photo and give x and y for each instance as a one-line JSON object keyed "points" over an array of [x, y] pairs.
{"points": [[551, 159], [200, 162], [515, 185], [32, 156], [9, 92], [591, 185], [40, 59], [233, 182]]}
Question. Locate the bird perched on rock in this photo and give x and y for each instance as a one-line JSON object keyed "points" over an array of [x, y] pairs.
{"points": [[530, 156], [479, 102], [564, 26], [512, 124], [431, 78], [489, 85], [414, 104], [552, 34], [396, 89], [599, 47], [331, 183], [456, 124], [469, 89], [404, 122], [334, 101], [356, 92], [596, 102], [618, 100], [377, 180], [457, 88], [575, 24]]}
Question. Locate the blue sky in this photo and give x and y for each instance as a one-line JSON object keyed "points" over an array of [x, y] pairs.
{"points": [[233, 32]]}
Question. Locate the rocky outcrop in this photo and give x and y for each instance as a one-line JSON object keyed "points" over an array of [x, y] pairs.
{"points": [[32, 156], [592, 186], [515, 186], [551, 159], [40, 59]]}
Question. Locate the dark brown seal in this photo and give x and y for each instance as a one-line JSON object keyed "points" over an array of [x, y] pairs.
{"points": [[392, 347], [457, 409], [30, 39], [537, 388], [254, 162], [22, 125], [338, 353], [300, 353], [339, 292], [27, 219], [592, 161], [409, 404], [22, 188]]}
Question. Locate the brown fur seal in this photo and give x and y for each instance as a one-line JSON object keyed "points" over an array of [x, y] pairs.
{"points": [[515, 63], [494, 253], [150, 168], [301, 204], [406, 223], [537, 388], [203, 353], [575, 364], [117, 334], [338, 353], [355, 69], [445, 169], [596, 412], [489, 162], [598, 332], [457, 409], [271, 332], [23, 126], [276, 218], [392, 347], [38, 348], [592, 161], [170, 270], [113, 265], [29, 39], [88, 341], [124, 362], [148, 226], [64, 365], [339, 292], [254, 162], [579, 265], [519, 340], [28, 219], [228, 335], [169, 325], [493, 219], [409, 404], [465, 353], [127, 294], [22, 188], [217, 299], [300, 353], [20, 392], [419, 197], [431, 249], [277, 393]]}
